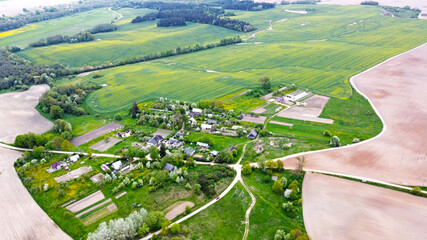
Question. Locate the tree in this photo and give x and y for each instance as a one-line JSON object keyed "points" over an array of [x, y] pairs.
{"points": [[247, 169], [335, 142], [38, 152], [155, 220], [197, 188], [224, 157], [162, 150], [265, 83], [134, 110], [175, 228], [187, 209], [277, 186], [279, 165], [271, 164], [56, 112], [66, 135], [144, 229], [62, 126], [66, 145], [154, 153]]}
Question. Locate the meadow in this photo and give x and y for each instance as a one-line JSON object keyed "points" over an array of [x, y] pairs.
{"points": [[129, 40], [318, 51], [69, 25]]}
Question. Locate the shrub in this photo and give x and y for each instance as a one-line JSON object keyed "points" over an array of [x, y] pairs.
{"points": [[327, 133], [277, 186], [187, 209], [67, 214], [144, 229], [266, 179], [118, 117], [334, 142], [188, 186], [175, 228], [247, 169], [155, 220], [416, 191]]}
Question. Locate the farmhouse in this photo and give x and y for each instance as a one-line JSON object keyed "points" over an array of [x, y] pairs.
{"points": [[74, 158], [206, 127], [117, 165], [173, 143], [214, 153], [210, 121], [202, 145], [295, 95], [57, 166], [193, 122], [189, 151], [105, 168], [252, 134], [169, 167], [155, 141], [235, 127], [179, 134]]}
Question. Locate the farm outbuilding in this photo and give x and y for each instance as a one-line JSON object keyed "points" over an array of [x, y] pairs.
{"points": [[206, 127], [296, 95]]}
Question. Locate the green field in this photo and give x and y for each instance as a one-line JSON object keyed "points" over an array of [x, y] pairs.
{"points": [[69, 25], [128, 41], [288, 54]]}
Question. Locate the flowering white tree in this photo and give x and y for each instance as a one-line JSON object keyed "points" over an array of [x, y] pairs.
{"points": [[288, 193]]}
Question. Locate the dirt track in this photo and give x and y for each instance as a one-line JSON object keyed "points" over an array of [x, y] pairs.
{"points": [[336, 209], [20, 216], [18, 114], [397, 88]]}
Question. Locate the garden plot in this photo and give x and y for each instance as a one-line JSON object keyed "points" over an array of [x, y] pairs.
{"points": [[73, 174], [335, 208], [101, 213], [162, 132], [254, 118], [281, 123], [260, 110], [97, 178], [86, 202], [93, 207], [310, 112], [95, 133], [178, 210], [105, 144]]}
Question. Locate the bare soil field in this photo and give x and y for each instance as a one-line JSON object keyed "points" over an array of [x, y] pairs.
{"points": [[18, 114], [254, 119], [21, 217], [178, 210], [261, 109], [73, 174], [104, 146], [86, 202], [397, 88], [335, 208], [313, 108], [93, 208], [95, 133]]}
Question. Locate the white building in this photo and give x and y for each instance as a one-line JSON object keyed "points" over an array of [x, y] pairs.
{"points": [[196, 110], [117, 165], [74, 158], [206, 127], [295, 95]]}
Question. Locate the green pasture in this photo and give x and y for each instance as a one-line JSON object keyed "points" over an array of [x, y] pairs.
{"points": [[129, 40], [288, 54], [69, 25]]}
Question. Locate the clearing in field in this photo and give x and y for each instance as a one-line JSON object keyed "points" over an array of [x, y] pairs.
{"points": [[288, 56], [95, 133], [310, 110], [354, 210]]}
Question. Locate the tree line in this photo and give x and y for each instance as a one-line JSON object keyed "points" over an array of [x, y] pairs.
{"points": [[170, 22], [247, 5], [193, 13], [84, 36], [9, 23], [17, 72]]}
